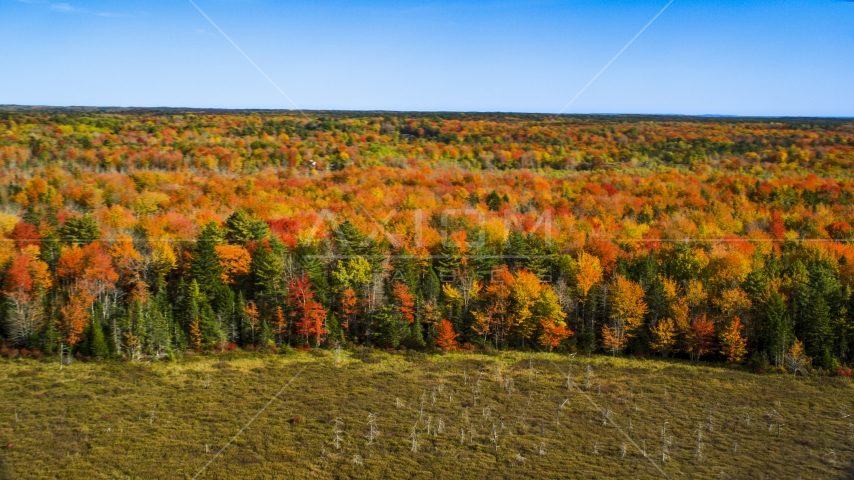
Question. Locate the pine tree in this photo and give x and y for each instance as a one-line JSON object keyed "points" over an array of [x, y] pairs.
{"points": [[310, 261], [80, 230], [417, 335], [493, 201], [205, 268], [430, 285], [240, 227], [405, 269], [335, 332], [390, 330], [539, 257], [482, 257], [97, 342], [267, 272], [449, 259], [265, 336], [517, 250], [200, 312], [775, 330], [816, 314]]}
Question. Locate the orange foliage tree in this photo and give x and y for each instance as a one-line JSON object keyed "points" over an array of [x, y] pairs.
{"points": [[348, 307], [446, 337], [234, 260], [733, 345], [553, 333], [74, 317], [404, 301]]}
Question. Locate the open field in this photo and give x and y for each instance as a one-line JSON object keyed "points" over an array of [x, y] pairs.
{"points": [[471, 415]]}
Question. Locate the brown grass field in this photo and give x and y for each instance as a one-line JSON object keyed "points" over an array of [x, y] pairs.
{"points": [[504, 415]]}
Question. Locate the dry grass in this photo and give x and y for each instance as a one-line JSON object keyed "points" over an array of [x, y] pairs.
{"points": [[166, 420]]}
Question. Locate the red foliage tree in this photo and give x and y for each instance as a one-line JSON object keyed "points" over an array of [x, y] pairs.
{"points": [[309, 315], [701, 337], [25, 234]]}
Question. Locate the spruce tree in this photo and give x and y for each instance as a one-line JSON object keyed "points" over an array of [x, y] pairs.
{"points": [[241, 228], [334, 331], [482, 256], [430, 285], [205, 268], [267, 273], [448, 260], [98, 347], [80, 230], [775, 330], [417, 334], [265, 336], [310, 261], [517, 250], [494, 201]]}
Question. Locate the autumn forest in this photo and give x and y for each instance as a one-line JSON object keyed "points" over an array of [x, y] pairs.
{"points": [[147, 234]]}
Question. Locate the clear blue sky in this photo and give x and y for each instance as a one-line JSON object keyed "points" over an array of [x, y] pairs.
{"points": [[763, 57]]}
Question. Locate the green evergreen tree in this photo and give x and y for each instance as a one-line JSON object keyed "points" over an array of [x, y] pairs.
{"points": [[349, 242], [265, 336], [51, 336], [241, 228], [775, 330], [205, 268], [417, 334], [98, 347], [494, 201], [198, 308], [335, 332], [310, 260], [430, 286], [80, 230], [815, 301], [268, 274], [516, 251], [390, 330], [483, 257], [448, 260], [539, 257]]}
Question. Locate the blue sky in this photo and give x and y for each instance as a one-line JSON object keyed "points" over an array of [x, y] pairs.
{"points": [[760, 57]]}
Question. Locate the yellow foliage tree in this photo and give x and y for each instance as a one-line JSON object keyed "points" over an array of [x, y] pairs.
{"points": [[589, 273], [524, 292], [663, 337], [626, 299]]}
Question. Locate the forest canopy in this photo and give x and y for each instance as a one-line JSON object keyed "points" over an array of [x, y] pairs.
{"points": [[140, 233]]}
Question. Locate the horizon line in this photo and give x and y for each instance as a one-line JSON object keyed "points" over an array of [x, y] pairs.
{"points": [[710, 116]]}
